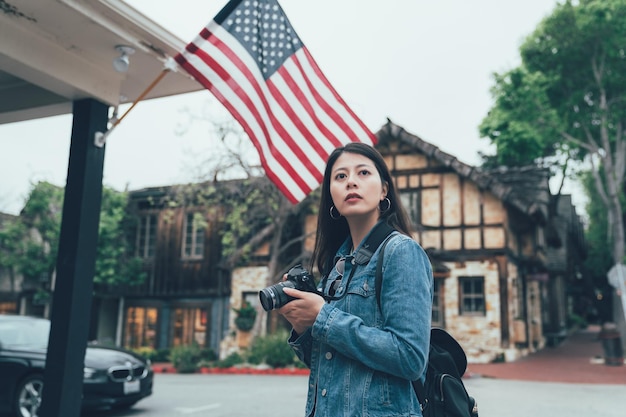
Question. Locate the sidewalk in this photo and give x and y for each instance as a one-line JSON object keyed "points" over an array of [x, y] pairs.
{"points": [[578, 359]]}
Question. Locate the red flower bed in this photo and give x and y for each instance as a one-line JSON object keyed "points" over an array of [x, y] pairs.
{"points": [[168, 368]]}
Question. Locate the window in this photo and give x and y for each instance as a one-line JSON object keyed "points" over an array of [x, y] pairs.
{"points": [[193, 236], [438, 303], [8, 307], [472, 296], [141, 327], [146, 236], [251, 298], [189, 325], [410, 200]]}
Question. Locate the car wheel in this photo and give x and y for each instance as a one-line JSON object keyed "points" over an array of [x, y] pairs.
{"points": [[28, 396]]}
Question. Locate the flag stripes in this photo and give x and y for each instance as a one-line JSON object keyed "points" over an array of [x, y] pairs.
{"points": [[294, 118]]}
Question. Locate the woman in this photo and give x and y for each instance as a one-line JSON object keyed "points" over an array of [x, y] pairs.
{"points": [[362, 357]]}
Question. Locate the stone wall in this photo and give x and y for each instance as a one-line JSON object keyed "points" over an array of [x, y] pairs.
{"points": [[479, 336], [247, 281]]}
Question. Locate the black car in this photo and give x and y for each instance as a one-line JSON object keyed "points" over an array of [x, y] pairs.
{"points": [[112, 377]]}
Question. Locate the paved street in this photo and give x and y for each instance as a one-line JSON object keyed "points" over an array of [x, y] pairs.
{"points": [[198, 395], [509, 398], [561, 381], [283, 396]]}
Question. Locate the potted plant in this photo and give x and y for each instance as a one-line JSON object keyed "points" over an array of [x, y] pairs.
{"points": [[246, 315]]}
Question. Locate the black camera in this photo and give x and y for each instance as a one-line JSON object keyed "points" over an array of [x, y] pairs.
{"points": [[274, 297]]}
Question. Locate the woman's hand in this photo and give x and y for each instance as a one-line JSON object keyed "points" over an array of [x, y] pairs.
{"points": [[302, 311]]}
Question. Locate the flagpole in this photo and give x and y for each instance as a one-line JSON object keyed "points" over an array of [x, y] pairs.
{"points": [[100, 138], [142, 95]]}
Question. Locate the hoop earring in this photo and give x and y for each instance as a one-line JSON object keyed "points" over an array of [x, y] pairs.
{"points": [[380, 206], [331, 213]]}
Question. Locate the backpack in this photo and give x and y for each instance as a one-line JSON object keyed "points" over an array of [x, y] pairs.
{"points": [[443, 393]]}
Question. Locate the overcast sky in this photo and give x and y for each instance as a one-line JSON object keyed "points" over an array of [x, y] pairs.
{"points": [[425, 64]]}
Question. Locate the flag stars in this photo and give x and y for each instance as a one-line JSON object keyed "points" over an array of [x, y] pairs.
{"points": [[264, 31]]}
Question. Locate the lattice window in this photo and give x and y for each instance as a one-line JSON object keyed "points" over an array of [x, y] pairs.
{"points": [[472, 296], [193, 236], [146, 236]]}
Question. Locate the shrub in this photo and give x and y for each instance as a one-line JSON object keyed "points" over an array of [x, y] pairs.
{"points": [[231, 360], [152, 354], [273, 350], [576, 321], [161, 355], [185, 358], [145, 352], [207, 354]]}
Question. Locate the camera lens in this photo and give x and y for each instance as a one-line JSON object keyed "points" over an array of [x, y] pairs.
{"points": [[274, 297], [268, 298]]}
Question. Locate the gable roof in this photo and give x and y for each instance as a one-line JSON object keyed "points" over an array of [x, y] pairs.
{"points": [[526, 189]]}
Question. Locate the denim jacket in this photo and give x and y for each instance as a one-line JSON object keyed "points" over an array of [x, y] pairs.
{"points": [[363, 358]]}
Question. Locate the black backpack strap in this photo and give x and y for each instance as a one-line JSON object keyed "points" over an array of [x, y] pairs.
{"points": [[420, 392], [373, 241], [418, 386]]}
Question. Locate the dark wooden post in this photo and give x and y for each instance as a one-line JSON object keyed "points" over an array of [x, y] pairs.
{"points": [[71, 303]]}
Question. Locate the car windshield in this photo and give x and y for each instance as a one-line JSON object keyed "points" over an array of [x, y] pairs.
{"points": [[24, 333]]}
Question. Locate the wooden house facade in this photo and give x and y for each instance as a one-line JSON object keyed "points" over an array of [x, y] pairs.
{"points": [[189, 293], [184, 294]]}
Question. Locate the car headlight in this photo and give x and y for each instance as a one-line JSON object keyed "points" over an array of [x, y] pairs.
{"points": [[93, 375]]}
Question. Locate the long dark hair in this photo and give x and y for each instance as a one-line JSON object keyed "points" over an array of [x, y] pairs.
{"points": [[331, 233]]}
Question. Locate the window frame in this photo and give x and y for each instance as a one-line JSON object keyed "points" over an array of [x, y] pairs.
{"points": [[196, 247], [476, 310], [410, 199], [438, 307], [141, 326], [145, 240]]}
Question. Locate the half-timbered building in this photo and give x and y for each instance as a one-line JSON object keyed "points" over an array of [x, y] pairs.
{"points": [[504, 249]]}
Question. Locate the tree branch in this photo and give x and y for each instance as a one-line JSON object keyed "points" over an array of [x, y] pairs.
{"points": [[593, 147], [620, 154], [598, 181], [256, 240]]}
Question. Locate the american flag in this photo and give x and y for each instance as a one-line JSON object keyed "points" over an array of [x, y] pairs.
{"points": [[252, 60]]}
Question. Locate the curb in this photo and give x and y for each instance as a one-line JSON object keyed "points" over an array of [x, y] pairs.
{"points": [[169, 369]]}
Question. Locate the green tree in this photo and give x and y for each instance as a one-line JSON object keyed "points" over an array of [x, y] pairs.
{"points": [[599, 260], [115, 263], [29, 243], [252, 210], [567, 101], [41, 218], [11, 234]]}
